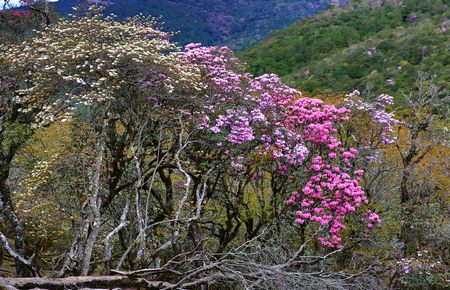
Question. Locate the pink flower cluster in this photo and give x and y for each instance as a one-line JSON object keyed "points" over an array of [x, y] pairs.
{"points": [[423, 264], [238, 122], [219, 67], [331, 192], [377, 110], [16, 13], [371, 218], [297, 135]]}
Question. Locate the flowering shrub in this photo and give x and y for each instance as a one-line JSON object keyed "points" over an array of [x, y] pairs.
{"points": [[423, 272], [93, 66], [247, 114], [382, 120], [190, 148], [257, 124]]}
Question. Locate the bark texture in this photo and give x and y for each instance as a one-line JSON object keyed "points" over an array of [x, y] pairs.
{"points": [[80, 282]]}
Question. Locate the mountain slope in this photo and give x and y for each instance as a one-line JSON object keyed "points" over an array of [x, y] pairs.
{"points": [[237, 23], [380, 43]]}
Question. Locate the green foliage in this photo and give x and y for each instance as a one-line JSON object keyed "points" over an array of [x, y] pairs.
{"points": [[347, 47], [14, 136]]}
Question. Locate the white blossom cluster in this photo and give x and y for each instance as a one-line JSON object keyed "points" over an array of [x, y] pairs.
{"points": [[87, 60]]}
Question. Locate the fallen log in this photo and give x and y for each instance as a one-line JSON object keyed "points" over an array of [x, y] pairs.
{"points": [[95, 282]]}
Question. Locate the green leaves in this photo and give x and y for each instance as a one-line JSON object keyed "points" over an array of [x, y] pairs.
{"points": [[343, 49], [14, 135]]}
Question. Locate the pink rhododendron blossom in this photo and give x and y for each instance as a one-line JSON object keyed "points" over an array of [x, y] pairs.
{"points": [[298, 136], [359, 172], [377, 112]]}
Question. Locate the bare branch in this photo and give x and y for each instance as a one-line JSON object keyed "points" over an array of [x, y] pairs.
{"points": [[17, 257]]}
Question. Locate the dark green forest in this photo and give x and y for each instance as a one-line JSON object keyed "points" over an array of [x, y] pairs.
{"points": [[235, 23], [360, 46]]}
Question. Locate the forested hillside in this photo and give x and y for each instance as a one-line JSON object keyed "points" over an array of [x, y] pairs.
{"points": [[237, 23], [380, 44]]}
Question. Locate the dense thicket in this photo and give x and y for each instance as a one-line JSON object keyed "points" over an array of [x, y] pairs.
{"points": [[377, 44]]}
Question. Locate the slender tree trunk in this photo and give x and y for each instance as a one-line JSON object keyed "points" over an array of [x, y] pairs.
{"points": [[405, 226], [8, 212], [89, 249], [106, 242], [404, 186], [94, 203], [76, 249]]}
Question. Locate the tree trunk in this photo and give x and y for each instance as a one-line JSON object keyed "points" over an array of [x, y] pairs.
{"points": [[8, 212], [94, 204], [89, 249], [404, 184]]}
